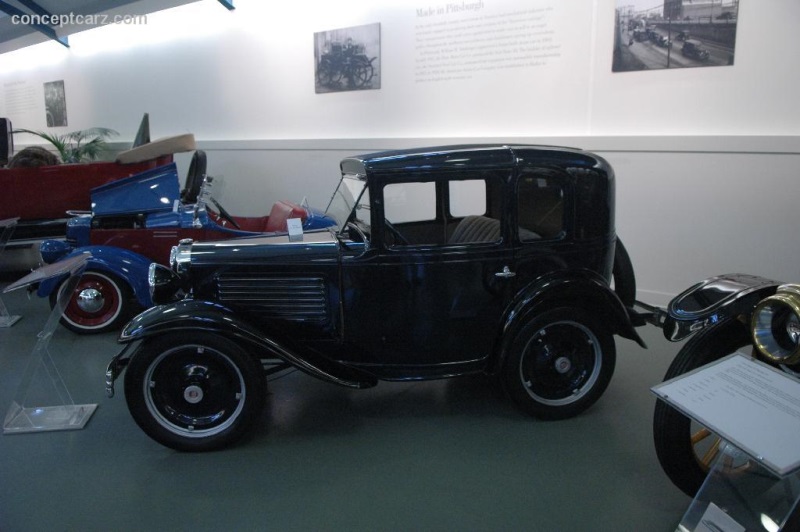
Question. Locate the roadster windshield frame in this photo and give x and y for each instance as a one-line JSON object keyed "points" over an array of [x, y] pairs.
{"points": [[347, 199]]}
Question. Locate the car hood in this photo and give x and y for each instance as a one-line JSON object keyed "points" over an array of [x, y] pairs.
{"points": [[154, 190], [252, 250]]}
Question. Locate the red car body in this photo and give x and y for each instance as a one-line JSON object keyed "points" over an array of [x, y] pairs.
{"points": [[40, 197]]}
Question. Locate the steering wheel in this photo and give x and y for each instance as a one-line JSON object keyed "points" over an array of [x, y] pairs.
{"points": [[224, 214], [398, 236], [361, 234]]}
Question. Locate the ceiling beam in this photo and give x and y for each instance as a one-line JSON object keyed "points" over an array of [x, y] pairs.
{"points": [[33, 6], [42, 28]]}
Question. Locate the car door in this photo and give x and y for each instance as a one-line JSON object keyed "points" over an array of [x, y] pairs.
{"points": [[429, 295]]}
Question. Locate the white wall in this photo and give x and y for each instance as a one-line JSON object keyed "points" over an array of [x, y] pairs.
{"points": [[249, 74], [706, 158]]}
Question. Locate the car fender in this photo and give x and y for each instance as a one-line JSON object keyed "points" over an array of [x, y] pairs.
{"points": [[129, 266], [578, 288], [714, 299], [190, 314]]}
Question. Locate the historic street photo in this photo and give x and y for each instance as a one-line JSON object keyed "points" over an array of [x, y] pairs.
{"points": [[674, 34]]}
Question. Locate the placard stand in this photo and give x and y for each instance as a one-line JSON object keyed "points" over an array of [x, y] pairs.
{"points": [[42, 383], [754, 481], [740, 494], [7, 227]]}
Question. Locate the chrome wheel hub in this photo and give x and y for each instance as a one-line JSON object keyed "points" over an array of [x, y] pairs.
{"points": [[90, 300], [563, 365], [193, 394]]}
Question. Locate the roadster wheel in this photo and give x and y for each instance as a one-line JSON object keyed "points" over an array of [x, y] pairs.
{"points": [[559, 364], [100, 302], [197, 392], [685, 448]]}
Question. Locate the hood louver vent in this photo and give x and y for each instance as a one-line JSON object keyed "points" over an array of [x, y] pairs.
{"points": [[288, 298]]}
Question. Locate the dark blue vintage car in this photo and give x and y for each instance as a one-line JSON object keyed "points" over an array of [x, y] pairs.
{"points": [[443, 262], [134, 222]]}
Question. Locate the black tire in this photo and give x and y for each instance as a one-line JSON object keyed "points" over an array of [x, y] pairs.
{"points": [[623, 275], [328, 73], [559, 364], [101, 302], [686, 463], [194, 392], [361, 72]]}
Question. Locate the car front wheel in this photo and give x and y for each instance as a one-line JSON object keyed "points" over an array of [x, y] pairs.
{"points": [[559, 364], [194, 392], [686, 449], [101, 302]]}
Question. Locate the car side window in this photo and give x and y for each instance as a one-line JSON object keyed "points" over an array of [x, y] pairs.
{"points": [[409, 202], [467, 198], [540, 206], [468, 201], [438, 213]]}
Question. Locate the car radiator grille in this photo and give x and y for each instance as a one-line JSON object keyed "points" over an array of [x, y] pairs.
{"points": [[289, 298]]}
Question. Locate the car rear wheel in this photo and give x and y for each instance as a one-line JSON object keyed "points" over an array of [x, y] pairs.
{"points": [[101, 302], [194, 392], [559, 364]]}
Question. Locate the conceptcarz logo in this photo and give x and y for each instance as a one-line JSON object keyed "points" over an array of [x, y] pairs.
{"points": [[71, 19]]}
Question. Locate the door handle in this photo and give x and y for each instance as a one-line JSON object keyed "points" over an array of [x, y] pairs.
{"points": [[506, 273]]}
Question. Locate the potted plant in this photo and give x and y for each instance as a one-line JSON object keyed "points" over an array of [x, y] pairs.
{"points": [[77, 146]]}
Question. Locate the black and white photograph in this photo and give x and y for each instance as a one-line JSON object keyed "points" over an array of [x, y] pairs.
{"points": [[55, 103], [348, 59], [674, 34]]}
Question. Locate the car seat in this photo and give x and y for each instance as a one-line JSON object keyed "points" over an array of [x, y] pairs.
{"points": [[476, 229], [280, 213]]}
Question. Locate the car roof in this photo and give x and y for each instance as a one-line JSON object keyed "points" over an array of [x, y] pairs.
{"points": [[471, 156]]}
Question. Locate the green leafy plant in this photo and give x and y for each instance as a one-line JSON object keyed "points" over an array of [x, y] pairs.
{"points": [[78, 146]]}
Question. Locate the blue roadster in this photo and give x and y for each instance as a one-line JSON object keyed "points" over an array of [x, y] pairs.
{"points": [[136, 221]]}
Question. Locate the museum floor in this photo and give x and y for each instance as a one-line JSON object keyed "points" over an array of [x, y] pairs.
{"points": [[441, 455]]}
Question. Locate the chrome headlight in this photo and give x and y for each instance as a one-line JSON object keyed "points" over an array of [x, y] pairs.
{"points": [[776, 325], [180, 256], [165, 285]]}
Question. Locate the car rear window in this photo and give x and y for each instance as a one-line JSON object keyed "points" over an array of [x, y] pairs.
{"points": [[540, 206]]}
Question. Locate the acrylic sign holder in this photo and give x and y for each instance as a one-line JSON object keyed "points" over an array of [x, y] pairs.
{"points": [[741, 494], [42, 383], [7, 227], [754, 482]]}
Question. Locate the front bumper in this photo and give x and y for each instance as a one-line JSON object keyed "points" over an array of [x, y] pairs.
{"points": [[117, 365]]}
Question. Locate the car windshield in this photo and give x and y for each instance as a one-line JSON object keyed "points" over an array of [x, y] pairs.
{"points": [[349, 196]]}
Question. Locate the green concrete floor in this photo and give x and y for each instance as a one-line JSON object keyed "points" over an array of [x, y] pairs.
{"points": [[439, 455]]}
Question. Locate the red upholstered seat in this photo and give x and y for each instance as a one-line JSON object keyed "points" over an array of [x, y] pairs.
{"points": [[282, 211]]}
